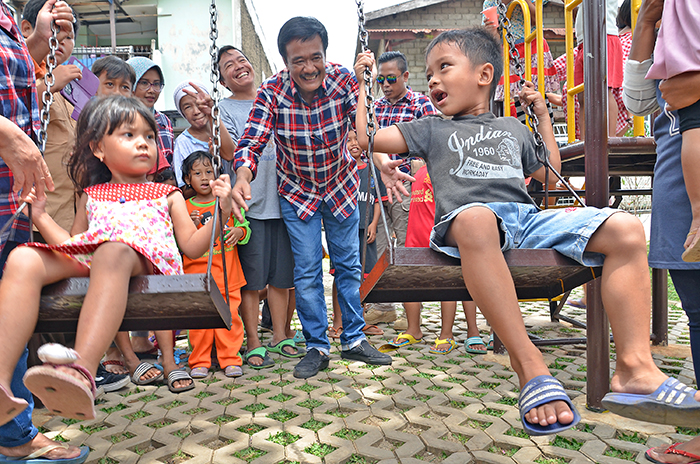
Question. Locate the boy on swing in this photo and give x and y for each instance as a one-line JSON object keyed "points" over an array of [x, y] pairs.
{"points": [[478, 163]]}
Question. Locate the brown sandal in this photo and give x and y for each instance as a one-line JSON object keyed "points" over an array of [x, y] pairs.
{"points": [[334, 333], [371, 329]]}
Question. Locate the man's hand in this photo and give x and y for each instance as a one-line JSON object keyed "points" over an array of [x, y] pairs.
{"points": [[393, 180], [241, 192], [65, 74], [58, 11], [681, 90], [650, 11], [24, 160]]}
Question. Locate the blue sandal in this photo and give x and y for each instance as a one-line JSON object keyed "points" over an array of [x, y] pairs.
{"points": [[673, 403], [474, 341], [541, 390]]}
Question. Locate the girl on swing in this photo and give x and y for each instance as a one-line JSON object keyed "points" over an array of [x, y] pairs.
{"points": [[124, 226]]}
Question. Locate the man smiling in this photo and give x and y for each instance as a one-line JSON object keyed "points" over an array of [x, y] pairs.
{"points": [[309, 107]]}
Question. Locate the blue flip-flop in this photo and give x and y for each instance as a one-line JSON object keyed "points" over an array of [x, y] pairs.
{"points": [[673, 403], [474, 341], [541, 390], [299, 338], [36, 457]]}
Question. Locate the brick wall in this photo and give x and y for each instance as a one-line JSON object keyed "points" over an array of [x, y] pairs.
{"points": [[452, 14]]}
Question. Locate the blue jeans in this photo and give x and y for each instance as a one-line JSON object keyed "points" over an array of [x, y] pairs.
{"points": [[19, 430], [343, 247], [687, 283]]}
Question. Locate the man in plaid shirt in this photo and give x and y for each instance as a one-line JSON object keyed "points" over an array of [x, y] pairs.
{"points": [[399, 104], [21, 168], [309, 107]]}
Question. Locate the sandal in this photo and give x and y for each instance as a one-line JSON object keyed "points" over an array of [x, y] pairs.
{"points": [[489, 345], [37, 457], [403, 339], [199, 372], [10, 406], [259, 352], [233, 371], [447, 341], [115, 362], [371, 329], [673, 449], [141, 370], [299, 338], [178, 375], [62, 393], [288, 342], [474, 341], [334, 333]]}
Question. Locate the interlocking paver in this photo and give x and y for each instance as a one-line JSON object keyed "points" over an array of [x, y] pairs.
{"points": [[454, 408]]}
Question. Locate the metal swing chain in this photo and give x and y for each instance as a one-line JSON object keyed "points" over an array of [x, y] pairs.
{"points": [[371, 130], [216, 143], [504, 24]]}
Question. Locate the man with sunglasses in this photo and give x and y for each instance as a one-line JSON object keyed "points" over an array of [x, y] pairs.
{"points": [[399, 104]]}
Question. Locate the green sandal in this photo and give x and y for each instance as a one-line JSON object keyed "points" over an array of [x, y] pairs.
{"points": [[279, 349], [260, 352]]}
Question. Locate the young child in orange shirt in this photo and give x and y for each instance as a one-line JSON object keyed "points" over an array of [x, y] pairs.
{"points": [[197, 172]]}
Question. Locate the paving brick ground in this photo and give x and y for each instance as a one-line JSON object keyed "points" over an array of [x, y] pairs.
{"points": [[454, 408]]}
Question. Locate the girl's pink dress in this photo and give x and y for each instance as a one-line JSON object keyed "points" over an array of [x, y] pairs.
{"points": [[678, 44], [134, 214]]}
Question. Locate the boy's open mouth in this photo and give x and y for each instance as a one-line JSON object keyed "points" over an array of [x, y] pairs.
{"points": [[438, 96]]}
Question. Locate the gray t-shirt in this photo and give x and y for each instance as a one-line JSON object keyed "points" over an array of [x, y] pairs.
{"points": [[473, 158], [265, 203]]}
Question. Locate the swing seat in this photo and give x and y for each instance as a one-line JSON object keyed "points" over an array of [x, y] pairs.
{"points": [[157, 302], [421, 274]]}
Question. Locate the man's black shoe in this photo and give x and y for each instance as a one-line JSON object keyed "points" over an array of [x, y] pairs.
{"points": [[310, 364], [367, 354], [108, 381]]}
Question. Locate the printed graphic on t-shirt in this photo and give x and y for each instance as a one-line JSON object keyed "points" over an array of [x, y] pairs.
{"points": [[488, 154]]}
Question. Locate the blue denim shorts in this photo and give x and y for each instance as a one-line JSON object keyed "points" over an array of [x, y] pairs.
{"points": [[526, 226]]}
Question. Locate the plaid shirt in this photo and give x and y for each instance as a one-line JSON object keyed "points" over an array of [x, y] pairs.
{"points": [[19, 104], [313, 163], [165, 138], [412, 105]]}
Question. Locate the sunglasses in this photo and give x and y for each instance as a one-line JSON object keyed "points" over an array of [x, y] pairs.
{"points": [[389, 79]]}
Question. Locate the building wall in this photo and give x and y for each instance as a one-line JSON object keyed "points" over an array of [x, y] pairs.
{"points": [[454, 14], [253, 48]]}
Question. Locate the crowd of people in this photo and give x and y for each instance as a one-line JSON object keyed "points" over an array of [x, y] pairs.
{"points": [[115, 195]]}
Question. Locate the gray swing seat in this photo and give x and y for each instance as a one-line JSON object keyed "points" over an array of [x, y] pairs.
{"points": [[421, 274], [157, 302]]}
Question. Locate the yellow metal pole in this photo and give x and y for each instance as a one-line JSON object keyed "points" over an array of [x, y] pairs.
{"points": [[637, 121]]}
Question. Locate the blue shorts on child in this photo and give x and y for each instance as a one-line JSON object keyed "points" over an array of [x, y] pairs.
{"points": [[526, 226]]}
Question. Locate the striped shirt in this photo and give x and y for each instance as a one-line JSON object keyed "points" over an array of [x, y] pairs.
{"points": [[313, 163], [19, 104]]}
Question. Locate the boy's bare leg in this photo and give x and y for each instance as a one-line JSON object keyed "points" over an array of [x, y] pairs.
{"points": [[448, 311], [337, 316], [625, 290], [413, 318], [250, 314], [277, 299], [291, 306], [165, 342], [612, 113], [472, 329], [475, 233], [690, 157]]}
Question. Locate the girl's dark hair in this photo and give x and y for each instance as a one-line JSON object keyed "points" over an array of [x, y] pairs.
{"points": [[302, 28], [199, 155], [100, 117], [624, 15]]}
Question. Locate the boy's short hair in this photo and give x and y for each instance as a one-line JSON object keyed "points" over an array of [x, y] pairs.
{"points": [[478, 45], [301, 28], [395, 55], [31, 11], [115, 67]]}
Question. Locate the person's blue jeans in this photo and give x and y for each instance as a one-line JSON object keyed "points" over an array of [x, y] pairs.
{"points": [[343, 247], [19, 430], [687, 283]]}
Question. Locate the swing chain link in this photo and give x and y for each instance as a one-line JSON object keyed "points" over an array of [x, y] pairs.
{"points": [[533, 120], [367, 75], [49, 81], [215, 95]]}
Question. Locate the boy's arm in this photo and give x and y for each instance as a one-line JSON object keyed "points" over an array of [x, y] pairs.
{"points": [[529, 95]]}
